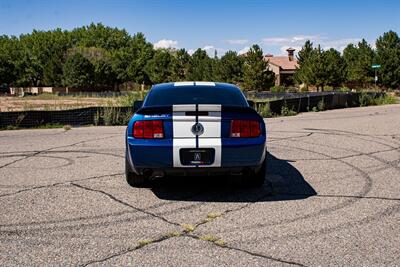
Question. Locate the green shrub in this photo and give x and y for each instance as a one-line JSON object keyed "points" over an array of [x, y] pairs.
{"points": [[286, 111], [365, 99], [264, 110], [113, 116], [385, 100], [321, 105]]}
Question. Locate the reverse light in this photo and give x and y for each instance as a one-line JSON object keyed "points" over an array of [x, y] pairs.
{"points": [[150, 129], [245, 128]]}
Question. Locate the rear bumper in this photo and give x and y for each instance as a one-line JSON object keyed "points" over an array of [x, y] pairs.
{"points": [[237, 155], [212, 171]]}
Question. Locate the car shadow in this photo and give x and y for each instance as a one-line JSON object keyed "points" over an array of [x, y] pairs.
{"points": [[283, 182]]}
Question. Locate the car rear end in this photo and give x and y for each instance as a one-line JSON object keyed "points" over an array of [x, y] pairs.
{"points": [[209, 137]]}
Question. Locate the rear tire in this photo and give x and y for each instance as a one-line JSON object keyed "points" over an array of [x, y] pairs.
{"points": [[133, 179], [258, 177]]}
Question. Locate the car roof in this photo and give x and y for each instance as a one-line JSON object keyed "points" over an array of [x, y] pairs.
{"points": [[186, 84]]}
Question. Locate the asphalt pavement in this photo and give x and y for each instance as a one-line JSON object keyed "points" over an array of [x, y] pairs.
{"points": [[331, 198]]}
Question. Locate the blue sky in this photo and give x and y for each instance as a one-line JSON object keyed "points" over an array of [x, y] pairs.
{"points": [[222, 25]]}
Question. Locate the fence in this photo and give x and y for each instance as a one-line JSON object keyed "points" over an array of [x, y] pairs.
{"points": [[121, 115], [82, 116], [306, 102]]}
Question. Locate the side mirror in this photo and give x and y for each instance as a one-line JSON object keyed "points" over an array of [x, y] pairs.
{"points": [[251, 103], [137, 105]]}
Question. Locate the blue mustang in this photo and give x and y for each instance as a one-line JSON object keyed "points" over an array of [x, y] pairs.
{"points": [[195, 128]]}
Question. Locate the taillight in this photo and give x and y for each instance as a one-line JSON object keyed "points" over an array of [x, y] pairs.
{"points": [[148, 129], [245, 128]]}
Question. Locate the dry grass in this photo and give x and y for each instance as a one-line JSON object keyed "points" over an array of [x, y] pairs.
{"points": [[9, 103]]}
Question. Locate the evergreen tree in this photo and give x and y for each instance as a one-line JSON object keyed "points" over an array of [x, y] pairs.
{"points": [[358, 61], [388, 56], [256, 76], [334, 68], [302, 57], [229, 68]]}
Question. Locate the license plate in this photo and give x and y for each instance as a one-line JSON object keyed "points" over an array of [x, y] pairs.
{"points": [[197, 156]]}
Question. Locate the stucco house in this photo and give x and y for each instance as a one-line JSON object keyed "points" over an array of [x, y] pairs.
{"points": [[284, 67]]}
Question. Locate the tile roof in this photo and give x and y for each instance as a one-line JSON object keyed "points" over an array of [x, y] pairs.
{"points": [[282, 61]]}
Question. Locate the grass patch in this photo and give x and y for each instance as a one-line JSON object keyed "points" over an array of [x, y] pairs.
{"points": [[209, 238], [173, 234], [213, 239], [220, 242], [213, 215], [188, 228], [145, 242]]}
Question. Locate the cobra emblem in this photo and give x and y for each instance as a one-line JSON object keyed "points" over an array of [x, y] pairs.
{"points": [[197, 129]]}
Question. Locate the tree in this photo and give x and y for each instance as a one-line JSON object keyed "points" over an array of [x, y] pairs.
{"points": [[388, 56], [78, 72], [52, 72], [103, 73], [180, 65], [7, 60], [256, 76], [229, 68], [358, 60], [139, 53], [302, 57], [200, 68], [334, 68], [159, 68]]}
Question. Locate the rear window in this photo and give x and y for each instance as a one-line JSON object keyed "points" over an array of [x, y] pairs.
{"points": [[195, 95]]}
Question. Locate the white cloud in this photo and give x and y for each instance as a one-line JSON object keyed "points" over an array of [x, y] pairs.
{"points": [[191, 51], [290, 39], [165, 43], [208, 47], [298, 41], [237, 41], [244, 50]]}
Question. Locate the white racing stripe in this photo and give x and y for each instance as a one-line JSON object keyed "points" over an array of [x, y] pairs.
{"points": [[183, 83], [184, 138], [211, 138], [182, 134]]}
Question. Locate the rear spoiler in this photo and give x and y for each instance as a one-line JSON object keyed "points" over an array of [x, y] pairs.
{"points": [[168, 109]]}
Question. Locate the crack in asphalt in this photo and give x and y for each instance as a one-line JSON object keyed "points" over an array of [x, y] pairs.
{"points": [[52, 148], [130, 249], [249, 252], [59, 183], [124, 203], [341, 196]]}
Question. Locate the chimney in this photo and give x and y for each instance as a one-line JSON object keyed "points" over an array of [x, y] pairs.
{"points": [[290, 52]]}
